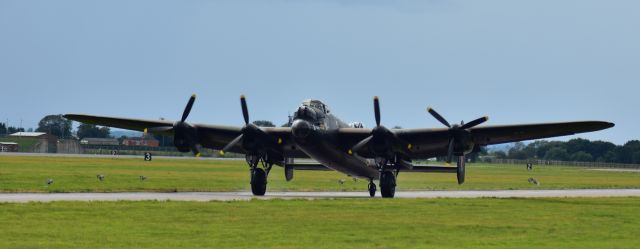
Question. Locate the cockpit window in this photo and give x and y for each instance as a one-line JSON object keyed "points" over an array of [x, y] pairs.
{"points": [[317, 104]]}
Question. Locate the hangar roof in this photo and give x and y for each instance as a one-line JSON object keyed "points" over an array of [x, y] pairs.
{"points": [[27, 134]]}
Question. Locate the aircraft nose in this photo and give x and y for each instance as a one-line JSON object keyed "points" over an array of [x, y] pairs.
{"points": [[300, 128]]}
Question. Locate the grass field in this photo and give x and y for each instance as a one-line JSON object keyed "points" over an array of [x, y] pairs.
{"points": [[29, 174], [344, 223]]}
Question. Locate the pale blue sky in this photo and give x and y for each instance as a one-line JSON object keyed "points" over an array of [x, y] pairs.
{"points": [[516, 61]]}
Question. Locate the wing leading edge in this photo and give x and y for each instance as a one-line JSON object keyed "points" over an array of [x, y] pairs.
{"points": [[428, 143], [513, 133], [209, 136]]}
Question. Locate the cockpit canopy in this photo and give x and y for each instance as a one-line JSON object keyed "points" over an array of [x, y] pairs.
{"points": [[312, 110], [316, 104]]}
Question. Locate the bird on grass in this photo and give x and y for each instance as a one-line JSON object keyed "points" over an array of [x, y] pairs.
{"points": [[49, 181], [341, 181], [533, 181], [142, 178], [100, 177]]}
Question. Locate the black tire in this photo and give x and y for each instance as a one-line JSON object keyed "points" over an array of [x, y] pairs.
{"points": [[372, 189], [387, 184], [288, 173], [461, 169], [258, 182]]}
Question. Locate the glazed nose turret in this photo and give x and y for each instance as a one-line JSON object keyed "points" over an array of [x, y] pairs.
{"points": [[301, 128]]}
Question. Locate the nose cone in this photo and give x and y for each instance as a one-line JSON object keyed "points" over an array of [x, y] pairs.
{"points": [[301, 128]]}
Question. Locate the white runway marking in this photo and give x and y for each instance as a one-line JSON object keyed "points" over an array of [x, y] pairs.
{"points": [[228, 196]]}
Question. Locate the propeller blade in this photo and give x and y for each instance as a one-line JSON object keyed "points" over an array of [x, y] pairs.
{"points": [[474, 122], [245, 110], [438, 117], [361, 144], [450, 151], [376, 109], [231, 144], [187, 109]]}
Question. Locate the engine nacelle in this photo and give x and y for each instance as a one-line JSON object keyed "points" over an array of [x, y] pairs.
{"points": [[184, 137]]}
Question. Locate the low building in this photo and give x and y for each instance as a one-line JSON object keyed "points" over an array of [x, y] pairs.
{"points": [[141, 141], [9, 147], [47, 143], [34, 135], [99, 141]]}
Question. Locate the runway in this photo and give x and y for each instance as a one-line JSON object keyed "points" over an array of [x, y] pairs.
{"points": [[230, 196]]}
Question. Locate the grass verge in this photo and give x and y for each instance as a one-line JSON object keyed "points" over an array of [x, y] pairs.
{"points": [[30, 174], [343, 223]]}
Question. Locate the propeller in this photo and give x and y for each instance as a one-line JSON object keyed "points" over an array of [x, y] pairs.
{"points": [[185, 134], [364, 142], [457, 133], [245, 115], [185, 131], [376, 109], [384, 140], [251, 136], [185, 114], [245, 110], [187, 109]]}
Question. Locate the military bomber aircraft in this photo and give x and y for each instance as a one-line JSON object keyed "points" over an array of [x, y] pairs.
{"points": [[373, 154]]}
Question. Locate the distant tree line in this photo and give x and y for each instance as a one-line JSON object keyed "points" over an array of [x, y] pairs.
{"points": [[579, 150], [4, 130]]}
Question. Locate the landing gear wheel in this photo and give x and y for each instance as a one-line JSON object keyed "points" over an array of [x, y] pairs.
{"points": [[372, 189], [387, 184], [258, 181], [461, 169]]}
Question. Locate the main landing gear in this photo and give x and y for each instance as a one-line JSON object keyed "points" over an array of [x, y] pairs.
{"points": [[388, 174], [260, 168], [387, 184]]}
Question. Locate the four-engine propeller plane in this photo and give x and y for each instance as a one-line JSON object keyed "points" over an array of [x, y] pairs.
{"points": [[374, 154]]}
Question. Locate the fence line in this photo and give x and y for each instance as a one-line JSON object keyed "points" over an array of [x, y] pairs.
{"points": [[566, 163]]}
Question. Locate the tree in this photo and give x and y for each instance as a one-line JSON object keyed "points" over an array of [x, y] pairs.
{"points": [[582, 156], [624, 154], [55, 125], [608, 157], [543, 146], [636, 157], [4, 130], [517, 151], [557, 153], [577, 144], [600, 148], [263, 123], [90, 130]]}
